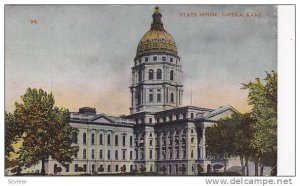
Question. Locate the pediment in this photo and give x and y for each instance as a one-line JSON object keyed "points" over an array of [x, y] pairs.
{"points": [[102, 119]]}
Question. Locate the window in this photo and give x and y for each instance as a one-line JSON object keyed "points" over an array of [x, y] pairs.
{"points": [[151, 73], [170, 118], [171, 75], [84, 154], [150, 142], [108, 139], [155, 58], [164, 58], [136, 154], [76, 155], [157, 120], [93, 154], [192, 140], [151, 97], [171, 154], [150, 154], [172, 98], [130, 155], [158, 74], [158, 97], [192, 154], [130, 140], [183, 153], [177, 116], [55, 168], [140, 76], [146, 59], [101, 139], [84, 138], [124, 155], [124, 140], [84, 168], [116, 155], [109, 168], [131, 168], [116, 140], [76, 167], [93, 168], [150, 120], [100, 154], [140, 61], [108, 154], [93, 139], [177, 154], [171, 59], [117, 168], [192, 115]]}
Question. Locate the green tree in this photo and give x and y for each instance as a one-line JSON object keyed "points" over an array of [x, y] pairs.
{"points": [[263, 98], [142, 169], [123, 169], [13, 132], [47, 133], [240, 126], [218, 142], [199, 169], [163, 169]]}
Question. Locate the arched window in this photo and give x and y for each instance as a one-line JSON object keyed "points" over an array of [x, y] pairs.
{"points": [[84, 154], [108, 139], [116, 140], [116, 155], [101, 139], [151, 74], [192, 154], [93, 154], [130, 140], [172, 98], [84, 138], [158, 74], [100, 154], [93, 138], [171, 75]]}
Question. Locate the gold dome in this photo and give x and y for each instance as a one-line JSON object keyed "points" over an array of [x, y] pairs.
{"points": [[157, 39]]}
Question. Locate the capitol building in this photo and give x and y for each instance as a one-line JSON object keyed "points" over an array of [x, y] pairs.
{"points": [[160, 135]]}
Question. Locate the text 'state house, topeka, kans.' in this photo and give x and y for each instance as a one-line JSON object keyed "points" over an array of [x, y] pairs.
{"points": [[159, 135]]}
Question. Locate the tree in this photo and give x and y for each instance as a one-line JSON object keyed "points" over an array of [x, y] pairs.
{"points": [[163, 169], [182, 169], [101, 169], [47, 133], [123, 169], [142, 169], [199, 169], [13, 132], [263, 98], [219, 142]]}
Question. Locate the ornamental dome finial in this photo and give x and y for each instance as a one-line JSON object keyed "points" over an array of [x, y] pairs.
{"points": [[157, 23]]}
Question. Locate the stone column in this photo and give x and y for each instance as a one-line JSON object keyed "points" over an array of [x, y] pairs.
{"points": [[203, 144]]}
